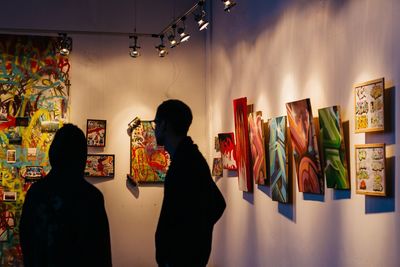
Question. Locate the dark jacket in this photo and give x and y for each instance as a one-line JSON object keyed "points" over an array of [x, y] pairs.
{"points": [[191, 206], [64, 223]]}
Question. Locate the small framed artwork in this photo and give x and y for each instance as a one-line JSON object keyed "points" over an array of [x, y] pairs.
{"points": [[217, 169], [22, 121], [369, 106], [11, 156], [370, 169], [96, 133], [33, 173], [100, 165], [9, 196]]}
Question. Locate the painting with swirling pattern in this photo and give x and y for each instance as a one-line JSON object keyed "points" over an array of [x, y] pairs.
{"points": [[242, 144], [257, 147], [305, 147], [333, 148], [34, 101], [278, 166]]}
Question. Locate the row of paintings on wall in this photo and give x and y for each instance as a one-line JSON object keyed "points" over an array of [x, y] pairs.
{"points": [[261, 150]]}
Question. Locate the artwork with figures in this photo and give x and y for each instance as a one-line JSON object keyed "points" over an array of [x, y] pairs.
{"points": [[242, 144], [217, 170], [96, 133], [100, 165], [149, 162], [30, 104], [333, 148], [370, 169], [278, 165], [228, 150], [305, 147], [369, 106], [257, 147]]}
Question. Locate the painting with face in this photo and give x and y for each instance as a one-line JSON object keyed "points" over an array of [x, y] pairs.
{"points": [[305, 147], [149, 161]]}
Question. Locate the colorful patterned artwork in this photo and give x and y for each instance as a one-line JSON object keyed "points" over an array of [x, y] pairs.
{"points": [[369, 106], [100, 165], [228, 150], [278, 165], [257, 147], [96, 133], [370, 169], [305, 147], [217, 169], [34, 98], [333, 148], [242, 144], [149, 162]]}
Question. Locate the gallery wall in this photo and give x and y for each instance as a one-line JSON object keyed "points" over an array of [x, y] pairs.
{"points": [[108, 84], [274, 52]]}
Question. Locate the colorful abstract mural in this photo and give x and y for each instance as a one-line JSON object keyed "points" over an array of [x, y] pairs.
{"points": [[305, 147], [333, 148], [149, 162], [242, 144], [278, 165], [34, 97], [257, 147], [228, 150]]}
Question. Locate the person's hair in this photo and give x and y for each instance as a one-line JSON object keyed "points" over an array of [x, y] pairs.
{"points": [[68, 151], [177, 114]]}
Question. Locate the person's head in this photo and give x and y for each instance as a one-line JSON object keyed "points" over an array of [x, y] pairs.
{"points": [[173, 117], [68, 151]]}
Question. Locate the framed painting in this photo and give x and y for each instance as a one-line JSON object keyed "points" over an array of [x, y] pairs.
{"points": [[228, 150], [100, 165], [333, 148], [149, 162], [369, 106], [242, 144], [217, 169], [257, 147], [305, 147], [33, 173], [370, 169], [278, 164], [96, 133]]}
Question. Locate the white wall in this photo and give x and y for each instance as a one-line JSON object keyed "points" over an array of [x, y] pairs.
{"points": [[108, 84], [278, 51]]}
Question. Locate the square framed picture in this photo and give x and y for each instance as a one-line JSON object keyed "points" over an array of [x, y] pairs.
{"points": [[370, 169], [96, 133], [100, 165], [369, 106]]}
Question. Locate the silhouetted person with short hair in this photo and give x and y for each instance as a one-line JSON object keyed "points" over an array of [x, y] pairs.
{"points": [[63, 221], [192, 202]]}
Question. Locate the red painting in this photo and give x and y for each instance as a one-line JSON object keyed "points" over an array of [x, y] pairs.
{"points": [[228, 151], [242, 144], [305, 147]]}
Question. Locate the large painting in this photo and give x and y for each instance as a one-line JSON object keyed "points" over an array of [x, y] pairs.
{"points": [[305, 147], [257, 147], [242, 144], [34, 100], [278, 164], [369, 106], [333, 148], [149, 162], [370, 169], [228, 150]]}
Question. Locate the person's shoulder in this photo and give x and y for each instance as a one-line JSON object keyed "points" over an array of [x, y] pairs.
{"points": [[92, 190]]}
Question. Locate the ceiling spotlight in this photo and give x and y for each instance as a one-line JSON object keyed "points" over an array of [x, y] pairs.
{"points": [[134, 49], [162, 51], [200, 19], [184, 36], [228, 5], [64, 45], [171, 37]]}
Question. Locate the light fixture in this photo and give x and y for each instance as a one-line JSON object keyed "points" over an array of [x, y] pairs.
{"points": [[228, 5], [200, 18], [162, 51], [134, 49], [184, 36], [171, 37], [64, 45]]}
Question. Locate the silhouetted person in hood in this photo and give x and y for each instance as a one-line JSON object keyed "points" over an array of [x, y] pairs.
{"points": [[63, 221]]}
